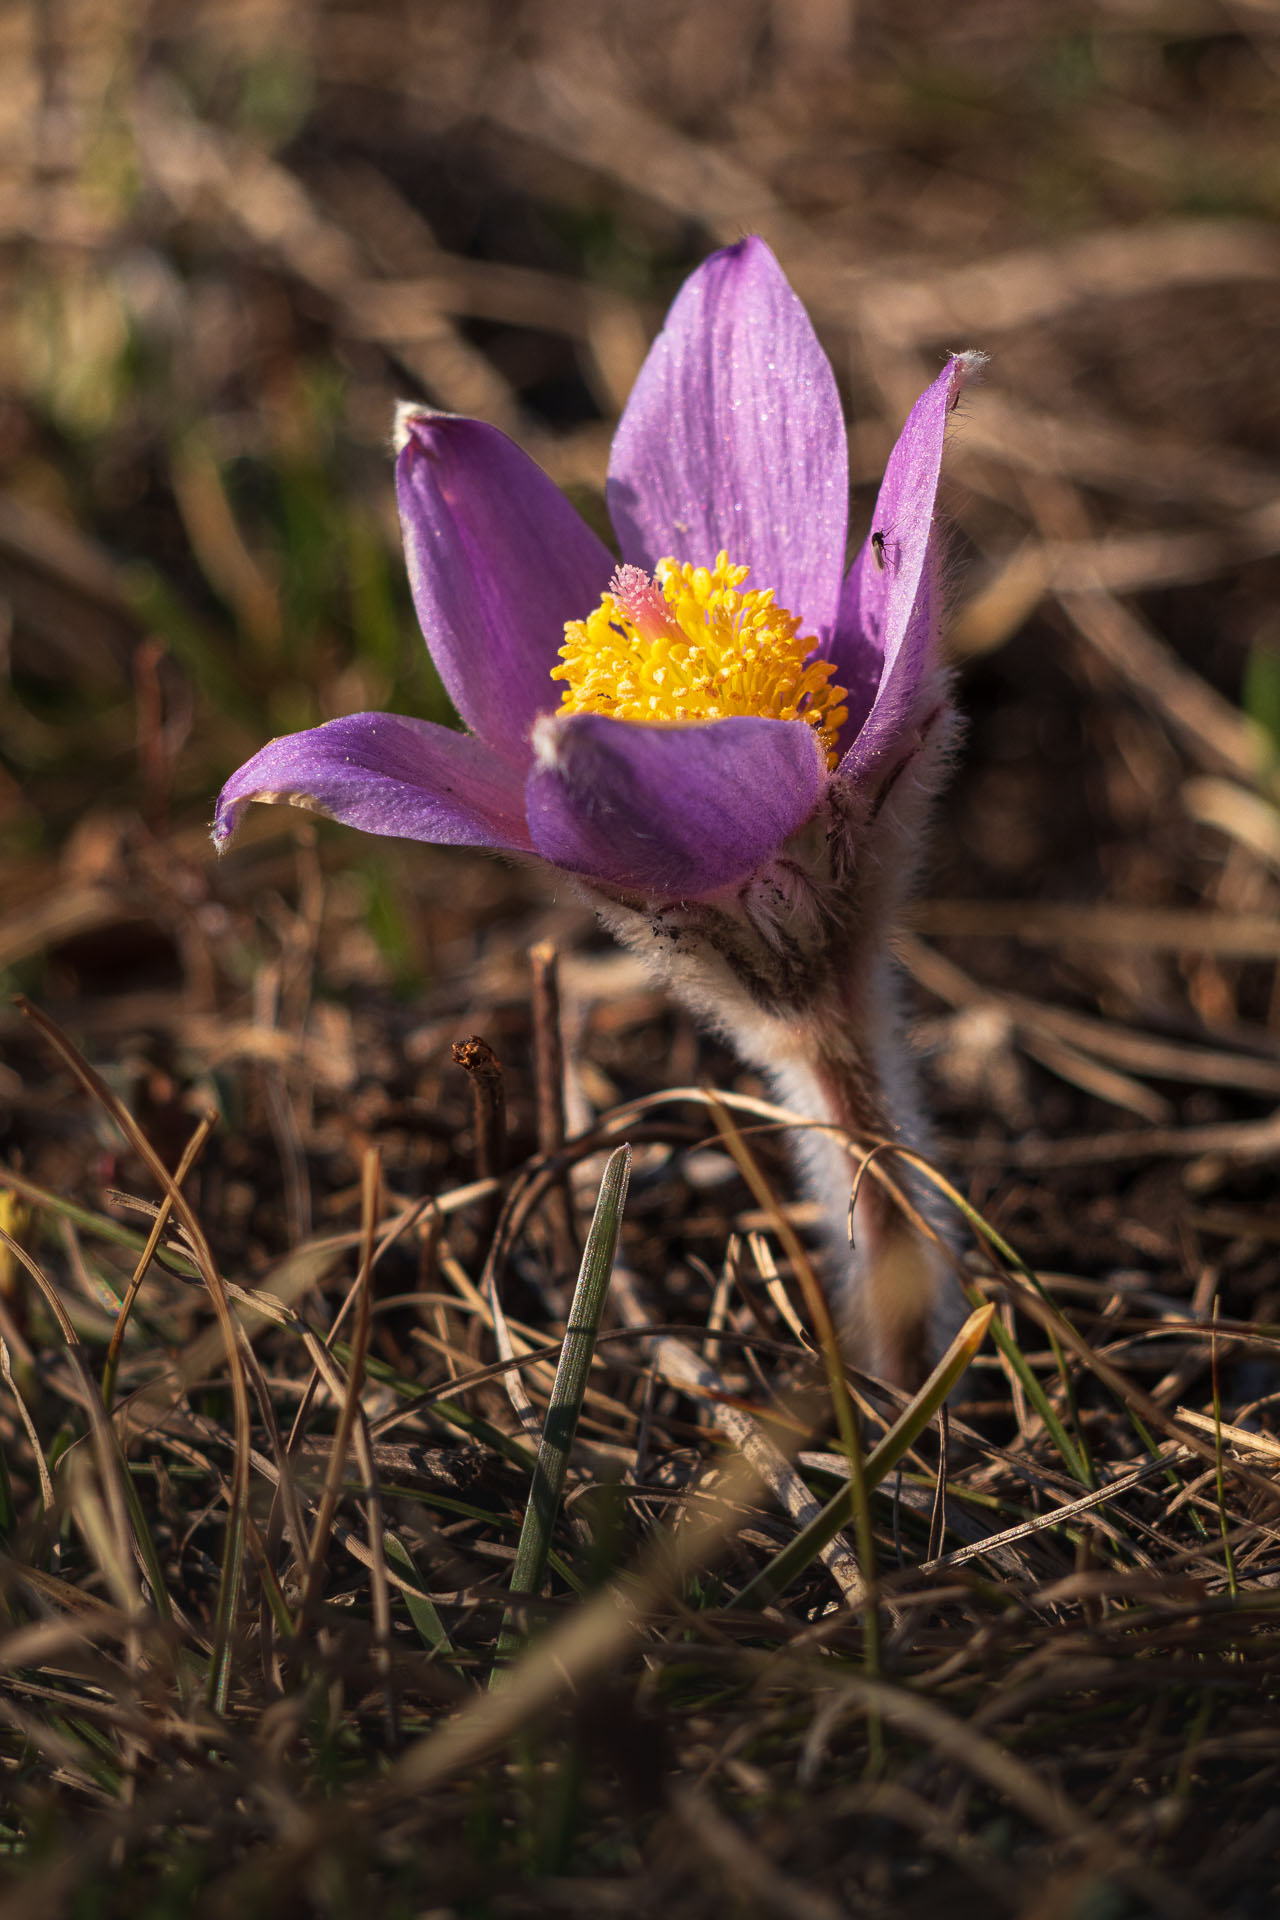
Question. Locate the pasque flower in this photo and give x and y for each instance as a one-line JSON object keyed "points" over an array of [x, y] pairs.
{"points": [[729, 739]]}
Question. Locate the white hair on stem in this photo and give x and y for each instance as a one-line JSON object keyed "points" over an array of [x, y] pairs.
{"points": [[794, 968]]}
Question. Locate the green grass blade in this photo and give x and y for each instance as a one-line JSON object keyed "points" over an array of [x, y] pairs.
{"points": [[449, 1411], [219, 1680], [422, 1611], [906, 1429], [1012, 1355], [146, 1545], [1081, 1438], [1074, 1456], [568, 1390], [97, 1224]]}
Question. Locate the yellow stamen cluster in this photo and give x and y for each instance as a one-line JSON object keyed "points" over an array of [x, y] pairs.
{"points": [[689, 645]]}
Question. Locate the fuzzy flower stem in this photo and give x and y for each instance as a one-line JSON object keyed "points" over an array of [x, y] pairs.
{"points": [[889, 1280]]}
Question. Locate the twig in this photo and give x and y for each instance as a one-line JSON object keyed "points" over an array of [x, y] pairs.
{"points": [[484, 1069], [548, 1078]]}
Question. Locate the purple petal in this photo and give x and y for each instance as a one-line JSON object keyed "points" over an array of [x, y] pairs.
{"points": [[670, 811], [886, 639], [498, 561], [733, 438], [855, 646], [386, 774]]}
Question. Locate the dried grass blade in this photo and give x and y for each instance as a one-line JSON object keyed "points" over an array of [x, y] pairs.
{"points": [[858, 1498], [371, 1180], [676, 1363], [815, 1300], [568, 1392], [1056, 1517], [24, 1414], [90, 1512], [911, 1422], [574, 1651], [158, 1225], [220, 1665], [290, 1505], [1018, 1783], [122, 1496], [97, 1224], [1074, 1454], [1220, 1483], [548, 1074], [516, 1392]]}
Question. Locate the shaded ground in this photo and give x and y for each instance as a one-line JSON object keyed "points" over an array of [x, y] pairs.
{"points": [[233, 235]]}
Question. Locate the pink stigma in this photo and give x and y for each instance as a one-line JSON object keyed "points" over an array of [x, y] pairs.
{"points": [[643, 602]]}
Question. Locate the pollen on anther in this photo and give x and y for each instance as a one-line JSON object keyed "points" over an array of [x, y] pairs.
{"points": [[641, 599], [690, 644]]}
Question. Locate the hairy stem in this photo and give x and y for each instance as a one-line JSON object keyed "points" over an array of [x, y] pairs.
{"points": [[889, 1281]]}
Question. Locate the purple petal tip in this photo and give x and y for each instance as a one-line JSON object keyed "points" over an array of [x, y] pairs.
{"points": [[413, 420], [965, 366]]}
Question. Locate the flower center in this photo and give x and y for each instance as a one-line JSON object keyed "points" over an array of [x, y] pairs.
{"points": [[688, 645]]}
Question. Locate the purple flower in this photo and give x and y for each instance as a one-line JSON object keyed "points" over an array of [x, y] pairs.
{"points": [[731, 741], [732, 446]]}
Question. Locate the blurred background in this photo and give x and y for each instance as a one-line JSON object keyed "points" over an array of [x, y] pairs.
{"points": [[234, 233]]}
